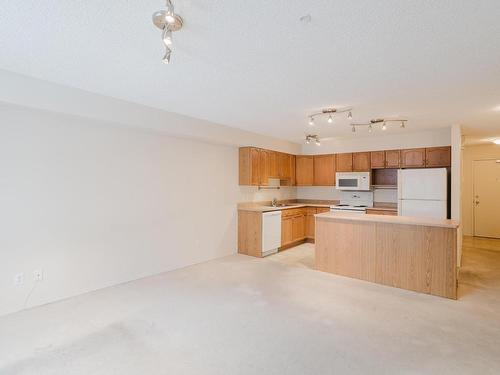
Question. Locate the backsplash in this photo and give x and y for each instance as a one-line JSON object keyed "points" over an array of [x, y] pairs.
{"points": [[253, 194], [330, 193]]}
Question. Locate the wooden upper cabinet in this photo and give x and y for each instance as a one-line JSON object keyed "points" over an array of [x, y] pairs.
{"points": [[361, 162], [249, 173], [413, 158], [265, 167], [392, 159], [273, 164], [438, 157], [304, 170], [344, 162], [324, 170], [292, 170], [283, 166], [377, 159]]}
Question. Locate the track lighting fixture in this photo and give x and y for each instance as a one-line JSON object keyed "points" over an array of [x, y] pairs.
{"points": [[382, 121], [311, 121], [167, 36], [313, 138], [353, 129], [167, 21], [331, 112]]}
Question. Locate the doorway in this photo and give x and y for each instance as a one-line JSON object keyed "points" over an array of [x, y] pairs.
{"points": [[486, 198]]}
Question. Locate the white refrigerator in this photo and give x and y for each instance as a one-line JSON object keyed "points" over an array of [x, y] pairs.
{"points": [[423, 192]]}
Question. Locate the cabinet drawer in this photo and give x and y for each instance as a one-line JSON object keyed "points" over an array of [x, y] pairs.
{"points": [[292, 212]]}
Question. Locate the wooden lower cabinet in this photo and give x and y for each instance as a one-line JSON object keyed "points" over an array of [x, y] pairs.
{"points": [[286, 231], [309, 222], [298, 227]]}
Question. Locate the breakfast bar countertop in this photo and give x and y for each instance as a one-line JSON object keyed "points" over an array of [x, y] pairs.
{"points": [[404, 220]]}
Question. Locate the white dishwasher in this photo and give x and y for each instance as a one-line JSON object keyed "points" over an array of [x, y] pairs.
{"points": [[271, 232]]}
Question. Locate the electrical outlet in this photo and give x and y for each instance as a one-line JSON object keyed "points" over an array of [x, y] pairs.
{"points": [[19, 279], [38, 275]]}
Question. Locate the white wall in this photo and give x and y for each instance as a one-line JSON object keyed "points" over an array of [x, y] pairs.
{"points": [[471, 153], [456, 184], [95, 204]]}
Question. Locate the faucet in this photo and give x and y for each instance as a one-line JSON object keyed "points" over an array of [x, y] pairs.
{"points": [[274, 202]]}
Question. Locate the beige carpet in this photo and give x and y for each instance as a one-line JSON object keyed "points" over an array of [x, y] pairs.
{"points": [[241, 315]]}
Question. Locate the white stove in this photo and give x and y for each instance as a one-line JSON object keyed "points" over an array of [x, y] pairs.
{"points": [[355, 202]]}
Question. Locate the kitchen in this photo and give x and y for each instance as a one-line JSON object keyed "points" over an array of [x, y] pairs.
{"points": [[414, 188]]}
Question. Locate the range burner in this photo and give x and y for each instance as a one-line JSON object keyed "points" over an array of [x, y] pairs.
{"points": [[342, 205], [361, 206]]}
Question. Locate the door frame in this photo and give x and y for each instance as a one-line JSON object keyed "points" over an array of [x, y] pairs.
{"points": [[474, 193]]}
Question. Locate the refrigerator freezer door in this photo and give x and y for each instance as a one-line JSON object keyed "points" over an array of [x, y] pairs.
{"points": [[428, 184], [422, 208]]}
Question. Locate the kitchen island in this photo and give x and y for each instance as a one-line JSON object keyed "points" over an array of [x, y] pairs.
{"points": [[418, 254]]}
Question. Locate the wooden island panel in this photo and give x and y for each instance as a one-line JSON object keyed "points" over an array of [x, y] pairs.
{"points": [[413, 257]]}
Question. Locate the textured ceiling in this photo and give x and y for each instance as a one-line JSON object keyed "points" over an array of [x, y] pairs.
{"points": [[254, 65]]}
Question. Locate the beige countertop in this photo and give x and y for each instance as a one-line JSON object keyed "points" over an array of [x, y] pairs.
{"points": [[405, 220], [268, 208]]}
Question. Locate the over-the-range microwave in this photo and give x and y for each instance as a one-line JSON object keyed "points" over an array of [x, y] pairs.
{"points": [[353, 180]]}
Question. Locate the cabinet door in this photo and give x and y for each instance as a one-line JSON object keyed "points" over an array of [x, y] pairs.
{"points": [[344, 162], [286, 231], [304, 170], [438, 157], [324, 170], [292, 170], [255, 166], [361, 162], [392, 159], [298, 227], [310, 212], [413, 158], [273, 164], [249, 161], [284, 166], [377, 159], [265, 166]]}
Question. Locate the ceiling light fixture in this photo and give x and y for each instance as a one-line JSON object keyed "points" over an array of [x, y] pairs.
{"points": [[353, 129], [167, 21], [311, 121], [383, 121], [497, 141], [313, 138], [331, 113]]}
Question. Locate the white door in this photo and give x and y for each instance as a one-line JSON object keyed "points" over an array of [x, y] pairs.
{"points": [[487, 198]]}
